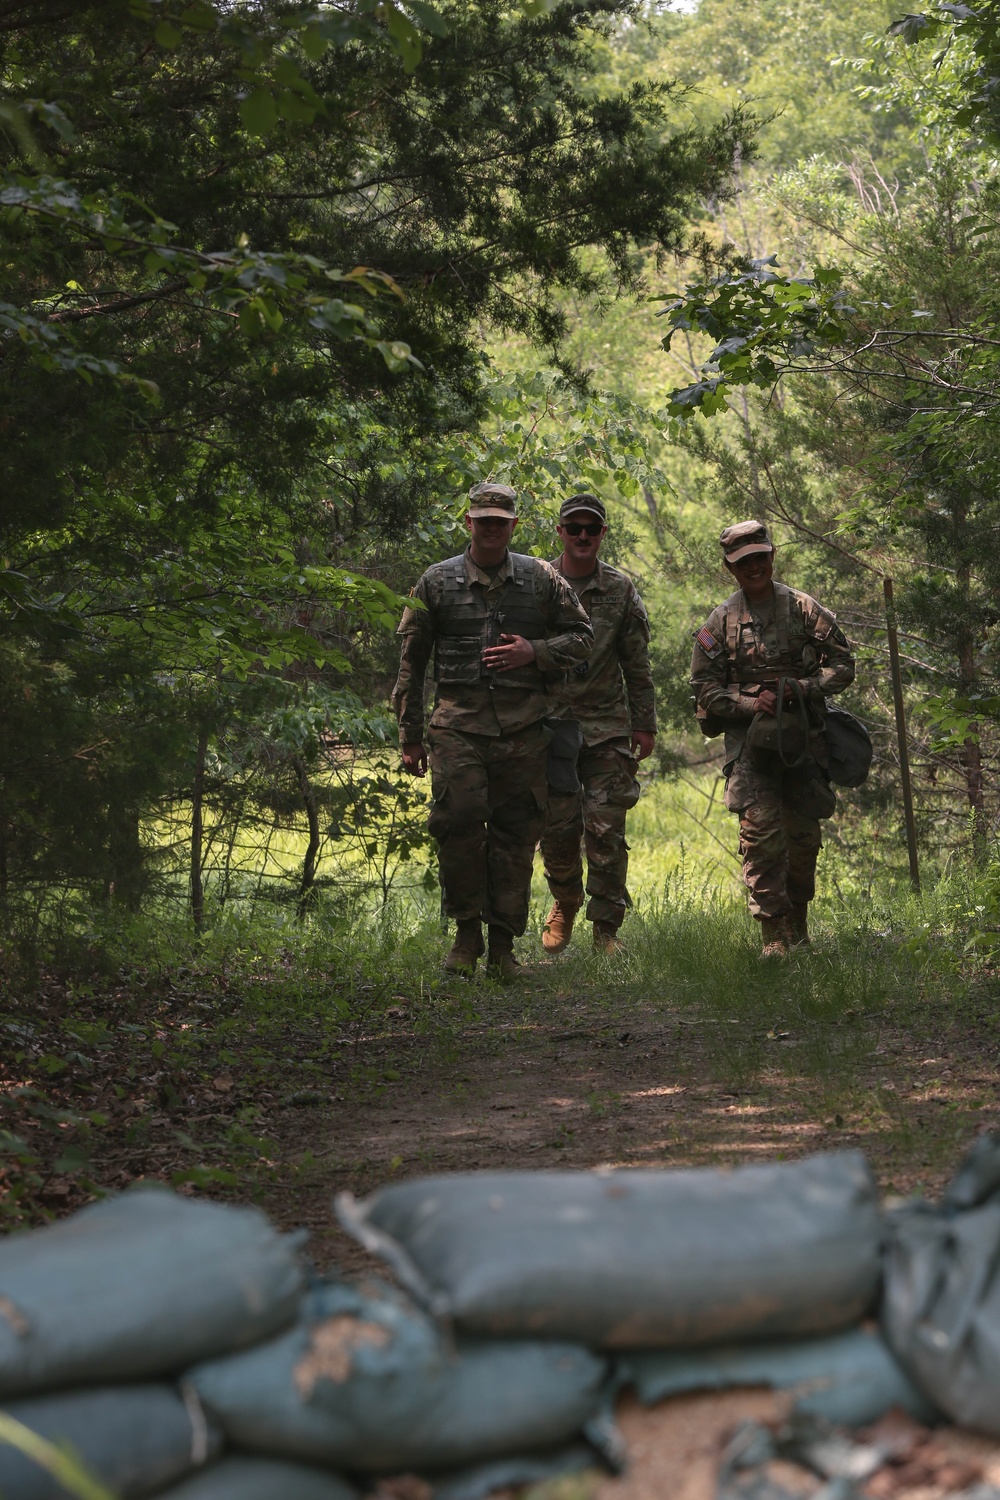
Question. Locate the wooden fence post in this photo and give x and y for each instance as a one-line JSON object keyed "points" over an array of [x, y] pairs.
{"points": [[904, 754]]}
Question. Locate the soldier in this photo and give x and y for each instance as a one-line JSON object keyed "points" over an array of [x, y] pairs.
{"points": [[778, 785], [611, 696], [501, 626]]}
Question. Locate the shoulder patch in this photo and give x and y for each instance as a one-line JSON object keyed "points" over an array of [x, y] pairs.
{"points": [[821, 623], [706, 640]]}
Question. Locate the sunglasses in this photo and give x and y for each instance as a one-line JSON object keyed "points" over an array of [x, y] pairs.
{"points": [[592, 528]]}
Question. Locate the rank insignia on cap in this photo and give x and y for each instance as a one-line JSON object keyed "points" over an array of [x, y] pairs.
{"points": [[706, 640]]}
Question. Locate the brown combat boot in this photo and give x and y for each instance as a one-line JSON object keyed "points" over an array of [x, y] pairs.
{"points": [[468, 945], [606, 939], [500, 961], [798, 922], [776, 932], [558, 927]]}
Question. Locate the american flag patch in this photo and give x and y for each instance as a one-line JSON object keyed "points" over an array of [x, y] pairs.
{"points": [[706, 640]]}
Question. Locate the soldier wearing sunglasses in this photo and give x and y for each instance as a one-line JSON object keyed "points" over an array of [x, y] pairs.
{"points": [[611, 697]]}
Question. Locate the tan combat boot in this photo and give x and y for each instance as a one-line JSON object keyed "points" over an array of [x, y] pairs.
{"points": [[558, 927], [500, 962], [799, 924], [466, 948], [606, 939], [776, 933]]}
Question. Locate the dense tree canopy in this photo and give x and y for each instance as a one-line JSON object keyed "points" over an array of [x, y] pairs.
{"points": [[252, 254], [473, 182]]}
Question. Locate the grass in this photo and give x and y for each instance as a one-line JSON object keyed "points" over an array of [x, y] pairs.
{"points": [[136, 1049]]}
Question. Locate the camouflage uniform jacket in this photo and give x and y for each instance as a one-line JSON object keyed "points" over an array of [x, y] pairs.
{"points": [[611, 693], [742, 648], [495, 703]]}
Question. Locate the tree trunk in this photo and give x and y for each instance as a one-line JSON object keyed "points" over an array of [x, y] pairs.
{"points": [[312, 848], [4, 869], [198, 831], [126, 881], [971, 760]]}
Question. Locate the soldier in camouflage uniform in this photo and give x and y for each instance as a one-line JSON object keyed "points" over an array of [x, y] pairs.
{"points": [[762, 632], [611, 697], [501, 627]]}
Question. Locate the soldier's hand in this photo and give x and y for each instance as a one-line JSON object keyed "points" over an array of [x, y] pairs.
{"points": [[767, 701], [513, 651], [642, 743], [414, 758]]}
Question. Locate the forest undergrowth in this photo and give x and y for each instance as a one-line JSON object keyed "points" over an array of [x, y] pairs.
{"points": [[278, 1061]]}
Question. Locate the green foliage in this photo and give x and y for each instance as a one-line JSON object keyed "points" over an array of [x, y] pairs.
{"points": [[762, 325], [971, 33], [248, 255]]}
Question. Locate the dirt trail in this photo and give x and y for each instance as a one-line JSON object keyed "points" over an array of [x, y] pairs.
{"points": [[289, 1109], [575, 1091]]}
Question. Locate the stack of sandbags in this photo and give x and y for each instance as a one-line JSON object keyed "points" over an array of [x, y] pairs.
{"points": [[99, 1316], [707, 1279], [151, 1333], [180, 1349]]}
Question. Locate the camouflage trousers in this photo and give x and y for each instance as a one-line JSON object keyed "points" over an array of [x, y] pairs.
{"points": [[595, 818], [488, 810], [780, 836]]}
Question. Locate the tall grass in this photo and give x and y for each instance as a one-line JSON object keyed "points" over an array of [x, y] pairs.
{"points": [[880, 952]]}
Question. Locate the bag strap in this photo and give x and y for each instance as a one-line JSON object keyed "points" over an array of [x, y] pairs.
{"points": [[733, 613], [783, 618], [803, 711]]}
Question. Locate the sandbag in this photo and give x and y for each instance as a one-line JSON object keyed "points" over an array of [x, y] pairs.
{"points": [[261, 1479], [622, 1259], [941, 1308], [849, 1379], [139, 1285], [133, 1438], [366, 1382]]}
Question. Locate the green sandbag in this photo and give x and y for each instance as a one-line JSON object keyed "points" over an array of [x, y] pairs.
{"points": [[367, 1383], [620, 1259], [849, 1379], [133, 1438], [941, 1308], [261, 1479], [139, 1286]]}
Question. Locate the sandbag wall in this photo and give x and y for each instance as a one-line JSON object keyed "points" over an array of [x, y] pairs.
{"points": [[101, 1312], [183, 1349], [693, 1280], [180, 1348]]}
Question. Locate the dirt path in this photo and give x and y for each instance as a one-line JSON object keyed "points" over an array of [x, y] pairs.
{"points": [[572, 1089], [288, 1106]]}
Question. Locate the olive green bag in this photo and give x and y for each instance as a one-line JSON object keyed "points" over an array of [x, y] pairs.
{"points": [[786, 733]]}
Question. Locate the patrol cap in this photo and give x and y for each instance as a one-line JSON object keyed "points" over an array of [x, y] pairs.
{"points": [[745, 537], [583, 501], [493, 499]]}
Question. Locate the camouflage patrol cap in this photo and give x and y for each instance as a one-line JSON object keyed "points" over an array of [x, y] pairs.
{"points": [[583, 501], [745, 537], [493, 499]]}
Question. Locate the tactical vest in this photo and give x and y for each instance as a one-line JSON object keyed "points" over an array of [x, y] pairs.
{"points": [[796, 654], [466, 624]]}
